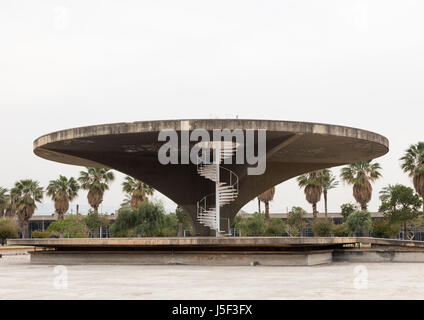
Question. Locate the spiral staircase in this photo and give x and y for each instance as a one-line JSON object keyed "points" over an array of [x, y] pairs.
{"points": [[226, 186]]}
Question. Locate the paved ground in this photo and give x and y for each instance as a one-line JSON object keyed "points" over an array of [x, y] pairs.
{"points": [[21, 280]]}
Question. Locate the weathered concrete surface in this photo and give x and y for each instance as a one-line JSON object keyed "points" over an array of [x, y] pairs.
{"points": [[223, 251], [376, 242], [16, 249], [210, 242], [184, 258], [21, 280], [199, 242], [378, 255], [293, 148]]}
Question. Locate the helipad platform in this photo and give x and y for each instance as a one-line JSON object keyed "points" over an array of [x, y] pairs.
{"points": [[190, 243], [272, 251]]}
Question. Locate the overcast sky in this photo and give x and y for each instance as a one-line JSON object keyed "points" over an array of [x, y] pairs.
{"points": [[66, 64]]}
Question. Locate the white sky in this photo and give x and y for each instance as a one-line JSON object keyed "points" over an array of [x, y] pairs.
{"points": [[73, 63]]}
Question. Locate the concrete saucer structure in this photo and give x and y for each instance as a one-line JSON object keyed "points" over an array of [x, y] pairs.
{"points": [[223, 251], [292, 148]]}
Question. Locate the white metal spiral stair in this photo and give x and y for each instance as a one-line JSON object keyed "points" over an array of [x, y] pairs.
{"points": [[226, 186]]}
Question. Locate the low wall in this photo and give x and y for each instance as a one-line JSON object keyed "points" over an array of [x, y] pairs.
{"points": [[183, 258], [378, 255], [231, 251], [15, 250], [236, 258]]}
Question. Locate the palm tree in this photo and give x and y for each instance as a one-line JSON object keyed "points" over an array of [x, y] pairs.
{"points": [[4, 199], [137, 190], [12, 203], [62, 191], [25, 195], [329, 182], [360, 175], [126, 203], [312, 182], [182, 218], [96, 181], [259, 205], [266, 197], [386, 191], [413, 163]]}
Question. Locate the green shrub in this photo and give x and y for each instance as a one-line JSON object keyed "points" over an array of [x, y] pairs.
{"points": [[170, 225], [94, 221], [72, 226], [151, 218], [295, 221], [184, 219], [122, 233], [339, 230], [359, 221], [41, 234], [322, 227], [125, 223], [347, 209], [401, 205], [275, 227], [385, 229], [238, 224], [148, 221], [8, 230], [255, 225]]}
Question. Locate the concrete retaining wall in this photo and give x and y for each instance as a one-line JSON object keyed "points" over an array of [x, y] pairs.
{"points": [[376, 255], [236, 258], [185, 258]]}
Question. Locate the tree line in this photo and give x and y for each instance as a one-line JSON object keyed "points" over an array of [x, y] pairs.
{"points": [[360, 175], [399, 203], [21, 201]]}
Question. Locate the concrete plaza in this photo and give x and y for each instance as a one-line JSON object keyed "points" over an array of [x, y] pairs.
{"points": [[21, 280]]}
